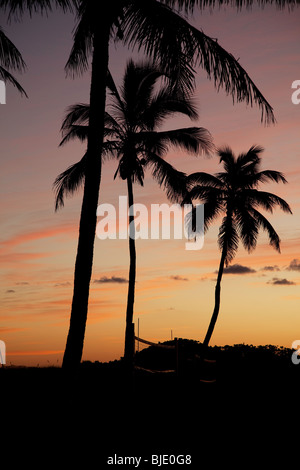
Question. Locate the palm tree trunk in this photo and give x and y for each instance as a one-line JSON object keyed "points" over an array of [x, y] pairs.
{"points": [[217, 301], [87, 227], [129, 334]]}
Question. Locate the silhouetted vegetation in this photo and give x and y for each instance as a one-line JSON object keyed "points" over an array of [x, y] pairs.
{"points": [[234, 193], [133, 118], [162, 413], [240, 365], [10, 59], [162, 33]]}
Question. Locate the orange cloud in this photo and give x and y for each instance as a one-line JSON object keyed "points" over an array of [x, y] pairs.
{"points": [[11, 330], [8, 258], [33, 353], [38, 235]]}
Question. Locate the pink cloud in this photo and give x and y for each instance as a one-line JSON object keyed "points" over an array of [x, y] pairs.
{"points": [[26, 237]]}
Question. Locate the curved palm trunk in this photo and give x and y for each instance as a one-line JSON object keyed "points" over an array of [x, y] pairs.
{"points": [[129, 334], [217, 301], [87, 227]]}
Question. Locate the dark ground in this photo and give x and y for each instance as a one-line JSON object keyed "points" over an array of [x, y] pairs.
{"points": [[248, 416]]}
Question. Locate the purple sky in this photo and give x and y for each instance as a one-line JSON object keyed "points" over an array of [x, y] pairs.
{"points": [[38, 246]]}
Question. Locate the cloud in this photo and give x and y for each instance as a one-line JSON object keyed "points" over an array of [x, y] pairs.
{"points": [[23, 283], [112, 279], [271, 268], [10, 291], [294, 265], [7, 259], [37, 235], [34, 353], [11, 330], [238, 269], [281, 282], [62, 284], [178, 278], [205, 278]]}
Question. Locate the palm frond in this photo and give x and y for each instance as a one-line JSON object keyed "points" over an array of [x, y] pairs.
{"points": [[248, 227], [267, 227], [212, 209], [138, 174], [191, 139], [165, 104], [205, 194], [110, 83], [79, 113], [138, 86], [266, 200], [112, 124], [227, 158], [164, 36], [169, 38], [69, 181], [78, 60], [239, 4], [17, 8], [10, 59], [204, 179], [7, 77], [212, 197], [90, 22], [249, 161], [75, 132], [10, 56], [110, 149], [228, 238], [172, 180], [267, 175], [186, 5], [76, 114], [189, 5], [227, 73]]}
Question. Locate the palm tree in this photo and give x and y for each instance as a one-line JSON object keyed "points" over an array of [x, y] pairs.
{"points": [[10, 59], [163, 33], [132, 136], [234, 192]]}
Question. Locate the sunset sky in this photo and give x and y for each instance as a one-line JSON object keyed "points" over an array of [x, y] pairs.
{"points": [[260, 296]]}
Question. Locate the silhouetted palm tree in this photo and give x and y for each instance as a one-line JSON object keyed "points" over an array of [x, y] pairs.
{"points": [[10, 59], [161, 32], [131, 134], [234, 192]]}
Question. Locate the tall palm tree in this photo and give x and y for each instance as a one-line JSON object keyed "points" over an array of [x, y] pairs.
{"points": [[138, 109], [10, 59], [234, 193], [165, 35], [157, 28]]}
